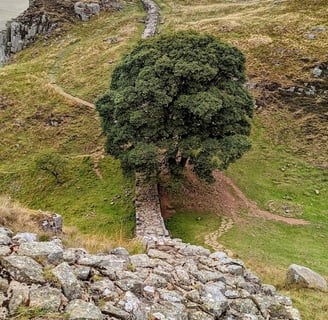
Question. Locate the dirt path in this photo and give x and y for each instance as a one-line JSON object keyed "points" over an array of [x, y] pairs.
{"points": [[253, 210], [97, 155], [211, 239], [223, 198], [61, 91], [66, 95], [149, 31]]}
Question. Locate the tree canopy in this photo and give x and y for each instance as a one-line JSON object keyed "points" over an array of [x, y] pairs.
{"points": [[176, 99]]}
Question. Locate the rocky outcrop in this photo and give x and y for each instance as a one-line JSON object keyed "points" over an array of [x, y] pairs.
{"points": [[303, 277], [42, 17], [85, 10], [19, 35], [152, 18], [171, 280]]}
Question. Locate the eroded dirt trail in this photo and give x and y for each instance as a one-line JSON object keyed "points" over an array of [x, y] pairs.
{"points": [[224, 199], [252, 208]]}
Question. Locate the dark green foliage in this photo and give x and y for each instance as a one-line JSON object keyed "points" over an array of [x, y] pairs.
{"points": [[175, 98]]}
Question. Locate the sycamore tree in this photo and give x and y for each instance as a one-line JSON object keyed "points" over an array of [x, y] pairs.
{"points": [[178, 99]]}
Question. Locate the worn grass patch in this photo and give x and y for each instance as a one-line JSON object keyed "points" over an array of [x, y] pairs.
{"points": [[192, 226]]}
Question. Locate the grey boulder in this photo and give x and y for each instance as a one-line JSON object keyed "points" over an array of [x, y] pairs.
{"points": [[85, 10], [68, 281], [304, 277], [140, 260], [19, 293], [4, 239], [45, 298], [51, 250], [6, 232], [111, 310], [23, 269], [25, 237]]}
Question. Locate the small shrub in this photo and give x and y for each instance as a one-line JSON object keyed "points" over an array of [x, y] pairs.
{"points": [[53, 164]]}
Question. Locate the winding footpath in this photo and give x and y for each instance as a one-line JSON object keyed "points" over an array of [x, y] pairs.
{"points": [[149, 31], [211, 239], [71, 98]]}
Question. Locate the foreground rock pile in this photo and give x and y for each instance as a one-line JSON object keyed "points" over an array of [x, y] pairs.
{"points": [[172, 280]]}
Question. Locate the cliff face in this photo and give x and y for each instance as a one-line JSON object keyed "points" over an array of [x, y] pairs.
{"points": [[42, 17]]}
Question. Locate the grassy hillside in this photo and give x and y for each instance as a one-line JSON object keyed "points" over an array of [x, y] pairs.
{"points": [[285, 173], [94, 197]]}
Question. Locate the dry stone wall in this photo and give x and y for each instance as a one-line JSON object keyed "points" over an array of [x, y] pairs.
{"points": [[172, 280], [149, 222], [152, 19]]}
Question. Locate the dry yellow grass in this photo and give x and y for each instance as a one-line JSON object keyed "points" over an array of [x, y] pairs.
{"points": [[17, 218], [20, 219], [95, 243], [274, 38]]}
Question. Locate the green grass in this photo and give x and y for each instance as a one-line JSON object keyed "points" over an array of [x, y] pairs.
{"points": [[279, 245], [280, 171], [271, 174], [192, 226], [24, 313], [85, 63], [92, 205], [78, 60], [268, 248]]}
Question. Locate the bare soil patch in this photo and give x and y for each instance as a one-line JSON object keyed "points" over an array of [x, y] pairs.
{"points": [[222, 197]]}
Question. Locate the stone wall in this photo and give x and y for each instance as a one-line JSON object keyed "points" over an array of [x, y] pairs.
{"points": [[149, 221], [171, 280], [152, 19]]}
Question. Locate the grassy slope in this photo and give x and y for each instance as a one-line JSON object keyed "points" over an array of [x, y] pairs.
{"points": [[92, 205], [81, 62], [280, 171]]}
